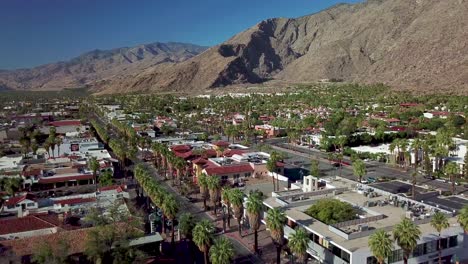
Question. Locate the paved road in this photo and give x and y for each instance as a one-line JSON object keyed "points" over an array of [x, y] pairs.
{"points": [[300, 158]]}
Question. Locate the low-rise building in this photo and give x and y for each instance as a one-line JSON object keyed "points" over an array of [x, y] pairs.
{"points": [[347, 242]]}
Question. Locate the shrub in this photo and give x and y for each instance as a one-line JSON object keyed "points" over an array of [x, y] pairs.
{"points": [[332, 211]]}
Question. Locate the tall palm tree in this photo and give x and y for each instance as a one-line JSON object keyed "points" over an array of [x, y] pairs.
{"points": [[222, 251], [225, 195], [94, 166], [275, 221], [451, 170], [59, 142], [381, 245], [214, 187], [298, 242], [203, 184], [254, 209], [439, 222], [203, 237], [463, 218], [186, 224], [359, 169], [406, 234], [170, 208], [416, 145], [237, 200]]}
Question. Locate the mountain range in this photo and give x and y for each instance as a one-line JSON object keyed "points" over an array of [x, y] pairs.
{"points": [[408, 44], [97, 66]]}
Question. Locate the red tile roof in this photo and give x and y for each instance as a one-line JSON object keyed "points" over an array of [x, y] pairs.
{"points": [[219, 170], [23, 224], [66, 123], [181, 148], [18, 199], [65, 178], [184, 155], [73, 201], [231, 152], [221, 143], [199, 161], [76, 239], [118, 188]]}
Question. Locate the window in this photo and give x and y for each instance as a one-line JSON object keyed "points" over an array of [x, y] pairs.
{"points": [[224, 178], [443, 243], [397, 255], [30, 204], [453, 241], [247, 174], [10, 206], [372, 260], [236, 176], [431, 246]]}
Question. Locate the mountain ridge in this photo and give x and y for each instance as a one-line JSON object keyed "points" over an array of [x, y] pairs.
{"points": [[407, 44], [97, 65]]}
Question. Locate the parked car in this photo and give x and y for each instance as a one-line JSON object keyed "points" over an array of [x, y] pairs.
{"points": [[371, 179], [429, 177]]}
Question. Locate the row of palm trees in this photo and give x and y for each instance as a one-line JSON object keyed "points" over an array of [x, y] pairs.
{"points": [[169, 163], [158, 195], [406, 235]]}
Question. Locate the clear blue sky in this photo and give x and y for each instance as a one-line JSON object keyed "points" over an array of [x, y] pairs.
{"points": [[35, 32]]}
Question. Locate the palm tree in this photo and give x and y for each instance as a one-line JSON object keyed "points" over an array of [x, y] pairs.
{"points": [[170, 208], [275, 221], [439, 222], [186, 224], [222, 251], [59, 142], [415, 145], [451, 169], [359, 169], [203, 237], [463, 218], [237, 200], [381, 245], [225, 195], [214, 187], [203, 184], [298, 242], [406, 234], [94, 166], [254, 209], [47, 147]]}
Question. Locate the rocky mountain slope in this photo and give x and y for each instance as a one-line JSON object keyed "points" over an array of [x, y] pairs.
{"points": [[97, 66], [411, 44]]}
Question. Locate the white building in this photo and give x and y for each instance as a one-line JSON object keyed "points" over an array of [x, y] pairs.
{"points": [[347, 242]]}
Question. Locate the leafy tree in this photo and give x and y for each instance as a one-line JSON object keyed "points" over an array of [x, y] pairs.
{"points": [[439, 222], [222, 251], [254, 209], [108, 240], [381, 245], [332, 211], [106, 178], [203, 237], [56, 253], [314, 167], [359, 169], [406, 234]]}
